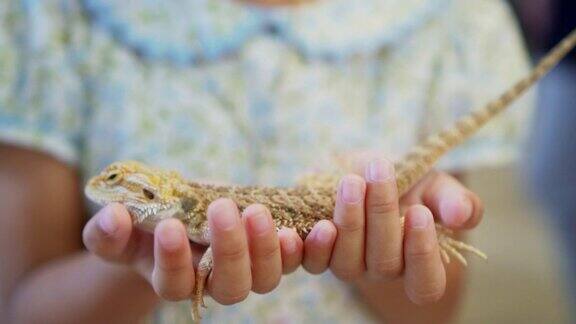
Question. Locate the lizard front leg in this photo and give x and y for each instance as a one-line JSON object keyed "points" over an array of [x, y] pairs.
{"points": [[202, 273]]}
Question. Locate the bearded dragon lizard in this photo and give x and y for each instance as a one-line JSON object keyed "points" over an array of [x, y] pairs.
{"points": [[151, 195]]}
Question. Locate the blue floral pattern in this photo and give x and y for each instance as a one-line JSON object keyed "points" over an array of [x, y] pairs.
{"points": [[230, 92]]}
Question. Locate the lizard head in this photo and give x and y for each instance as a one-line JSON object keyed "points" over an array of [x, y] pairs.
{"points": [[149, 194]]}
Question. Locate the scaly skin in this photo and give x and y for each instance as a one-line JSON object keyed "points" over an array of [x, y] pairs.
{"points": [[151, 195]]}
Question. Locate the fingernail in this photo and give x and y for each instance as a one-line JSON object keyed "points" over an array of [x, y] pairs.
{"points": [[420, 219], [351, 190], [455, 210], [379, 170], [170, 237], [223, 217], [322, 234], [258, 220], [108, 222]]}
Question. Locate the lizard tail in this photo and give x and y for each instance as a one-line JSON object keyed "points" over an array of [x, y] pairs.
{"points": [[421, 159]]}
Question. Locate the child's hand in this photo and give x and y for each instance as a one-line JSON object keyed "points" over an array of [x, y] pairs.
{"points": [[250, 255], [247, 251], [365, 240]]}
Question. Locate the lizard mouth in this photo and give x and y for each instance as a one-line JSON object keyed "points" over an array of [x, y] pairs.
{"points": [[99, 196]]}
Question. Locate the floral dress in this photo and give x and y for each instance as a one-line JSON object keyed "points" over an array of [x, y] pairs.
{"points": [[222, 90]]}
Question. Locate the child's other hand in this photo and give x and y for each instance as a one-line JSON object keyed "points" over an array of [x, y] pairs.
{"points": [[365, 240], [248, 252]]}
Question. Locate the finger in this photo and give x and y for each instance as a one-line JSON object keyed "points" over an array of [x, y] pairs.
{"points": [[318, 247], [230, 280], [173, 274], [347, 261], [109, 234], [383, 230], [291, 249], [264, 249], [425, 277], [451, 202]]}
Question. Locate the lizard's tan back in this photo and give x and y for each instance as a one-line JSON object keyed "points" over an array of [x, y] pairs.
{"points": [[302, 206], [299, 208]]}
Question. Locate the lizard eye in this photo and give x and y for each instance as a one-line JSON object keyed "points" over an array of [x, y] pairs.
{"points": [[148, 194], [113, 177]]}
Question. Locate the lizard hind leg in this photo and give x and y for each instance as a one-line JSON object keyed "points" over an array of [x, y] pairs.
{"points": [[451, 247], [204, 269]]}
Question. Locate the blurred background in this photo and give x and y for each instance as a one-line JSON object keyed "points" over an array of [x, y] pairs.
{"points": [[529, 229]]}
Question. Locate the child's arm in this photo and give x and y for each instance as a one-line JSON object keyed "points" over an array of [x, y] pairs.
{"points": [[45, 275]]}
